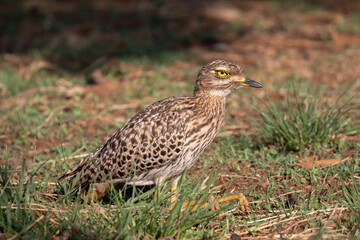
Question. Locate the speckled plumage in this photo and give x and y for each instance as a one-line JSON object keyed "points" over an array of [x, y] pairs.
{"points": [[167, 137]]}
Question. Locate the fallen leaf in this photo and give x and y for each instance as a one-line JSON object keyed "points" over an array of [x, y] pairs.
{"points": [[319, 163]]}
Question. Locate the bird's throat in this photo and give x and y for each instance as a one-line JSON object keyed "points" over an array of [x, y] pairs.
{"points": [[210, 105]]}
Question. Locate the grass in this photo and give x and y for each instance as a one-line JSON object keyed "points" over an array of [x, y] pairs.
{"points": [[352, 198], [286, 199], [304, 122], [26, 210]]}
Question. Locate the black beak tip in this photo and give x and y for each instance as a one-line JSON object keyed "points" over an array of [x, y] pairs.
{"points": [[252, 83]]}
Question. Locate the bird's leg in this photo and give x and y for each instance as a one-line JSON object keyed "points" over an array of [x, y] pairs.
{"points": [[173, 197], [195, 204], [174, 190]]}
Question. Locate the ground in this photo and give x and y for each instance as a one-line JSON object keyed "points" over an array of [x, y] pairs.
{"points": [[72, 73]]}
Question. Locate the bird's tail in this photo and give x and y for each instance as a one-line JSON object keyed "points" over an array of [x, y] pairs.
{"points": [[75, 169]]}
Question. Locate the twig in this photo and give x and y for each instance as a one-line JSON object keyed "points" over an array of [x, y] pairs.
{"points": [[14, 206], [7, 182], [53, 221], [25, 182], [203, 186], [42, 124], [267, 225], [43, 208], [28, 228], [237, 176], [77, 151], [293, 225]]}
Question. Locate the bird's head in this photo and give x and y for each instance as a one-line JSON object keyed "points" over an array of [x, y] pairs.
{"points": [[221, 77]]}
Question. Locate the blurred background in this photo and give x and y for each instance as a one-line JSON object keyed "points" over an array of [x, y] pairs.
{"points": [[99, 62], [273, 36]]}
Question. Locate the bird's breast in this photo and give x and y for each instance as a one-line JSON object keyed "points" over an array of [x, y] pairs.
{"points": [[201, 134]]}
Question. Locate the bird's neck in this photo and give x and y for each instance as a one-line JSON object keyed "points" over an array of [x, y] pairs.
{"points": [[211, 105]]}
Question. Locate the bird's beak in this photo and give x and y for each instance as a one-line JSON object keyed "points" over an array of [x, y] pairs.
{"points": [[248, 83]]}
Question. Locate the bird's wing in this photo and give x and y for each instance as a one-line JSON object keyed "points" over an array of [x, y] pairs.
{"points": [[152, 139]]}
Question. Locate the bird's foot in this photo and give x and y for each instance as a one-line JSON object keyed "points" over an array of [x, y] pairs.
{"points": [[215, 204], [243, 202]]}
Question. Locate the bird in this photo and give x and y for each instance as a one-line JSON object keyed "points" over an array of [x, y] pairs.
{"points": [[163, 140]]}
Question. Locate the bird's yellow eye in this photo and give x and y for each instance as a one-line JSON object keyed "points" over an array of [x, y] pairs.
{"points": [[222, 73]]}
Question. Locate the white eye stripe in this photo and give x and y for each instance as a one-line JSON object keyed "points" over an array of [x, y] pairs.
{"points": [[222, 81]]}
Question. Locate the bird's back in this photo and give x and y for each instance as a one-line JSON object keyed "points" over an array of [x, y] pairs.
{"points": [[158, 142]]}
